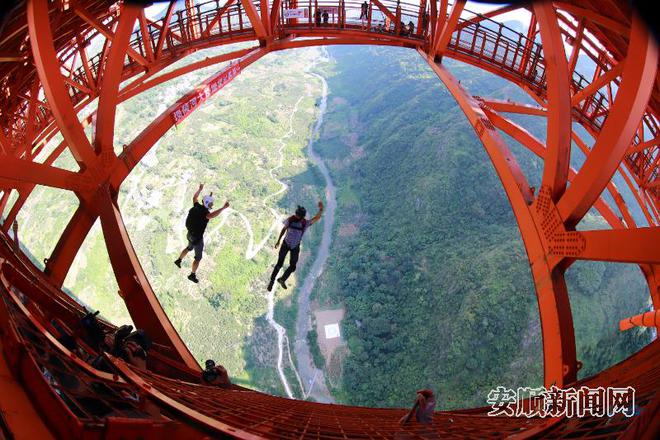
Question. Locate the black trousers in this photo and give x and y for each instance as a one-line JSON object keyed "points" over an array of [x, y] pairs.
{"points": [[293, 260]]}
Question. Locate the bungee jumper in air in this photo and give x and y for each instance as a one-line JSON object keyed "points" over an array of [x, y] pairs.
{"points": [[198, 217], [294, 227]]}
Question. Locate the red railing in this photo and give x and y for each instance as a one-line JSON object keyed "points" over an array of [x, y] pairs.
{"points": [[75, 400]]}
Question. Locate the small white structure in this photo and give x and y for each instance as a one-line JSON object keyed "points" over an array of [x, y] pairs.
{"points": [[331, 331]]}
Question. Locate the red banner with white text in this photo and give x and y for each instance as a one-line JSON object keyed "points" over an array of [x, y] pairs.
{"points": [[204, 92]]}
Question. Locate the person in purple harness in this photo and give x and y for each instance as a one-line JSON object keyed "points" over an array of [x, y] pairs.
{"points": [[294, 227]]}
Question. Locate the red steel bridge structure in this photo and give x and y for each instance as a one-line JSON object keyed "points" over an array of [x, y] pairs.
{"points": [[52, 83]]}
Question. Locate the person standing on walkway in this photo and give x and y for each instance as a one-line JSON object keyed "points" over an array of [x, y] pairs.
{"points": [[294, 227], [198, 217], [364, 11], [317, 17]]}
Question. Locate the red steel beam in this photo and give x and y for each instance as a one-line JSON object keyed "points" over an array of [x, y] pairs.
{"points": [[532, 30], [560, 363], [433, 23], [69, 243], [9, 57], [6, 190], [515, 107], [648, 319], [5, 145], [48, 68], [652, 276], [384, 10], [32, 172], [420, 18], [577, 44], [31, 119], [635, 245], [537, 147], [443, 11], [131, 91], [557, 160], [488, 15], [91, 82], [26, 190], [255, 19], [193, 18], [82, 87], [593, 16], [442, 40], [638, 79], [599, 83], [165, 28], [21, 190], [135, 290], [618, 199], [112, 72], [265, 16], [651, 199], [649, 270], [144, 33], [643, 146], [275, 15], [638, 197], [107, 33], [217, 17], [518, 133], [162, 28]]}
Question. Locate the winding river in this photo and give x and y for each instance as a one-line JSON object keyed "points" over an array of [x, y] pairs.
{"points": [[312, 377]]}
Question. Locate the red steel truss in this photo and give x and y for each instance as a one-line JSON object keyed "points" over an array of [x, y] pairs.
{"points": [[50, 76]]}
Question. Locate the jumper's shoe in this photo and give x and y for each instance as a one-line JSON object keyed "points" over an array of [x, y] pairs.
{"points": [[270, 285], [192, 277], [281, 283], [178, 262]]}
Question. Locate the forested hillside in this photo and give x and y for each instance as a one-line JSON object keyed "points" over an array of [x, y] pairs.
{"points": [[427, 258], [246, 138]]}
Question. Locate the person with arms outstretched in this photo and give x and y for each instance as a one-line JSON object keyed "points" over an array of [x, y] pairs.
{"points": [[294, 227], [198, 217]]}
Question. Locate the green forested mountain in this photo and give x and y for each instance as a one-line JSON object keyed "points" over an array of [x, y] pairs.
{"points": [[426, 258]]}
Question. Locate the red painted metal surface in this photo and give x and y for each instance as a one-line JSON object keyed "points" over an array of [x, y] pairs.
{"points": [[48, 75]]}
